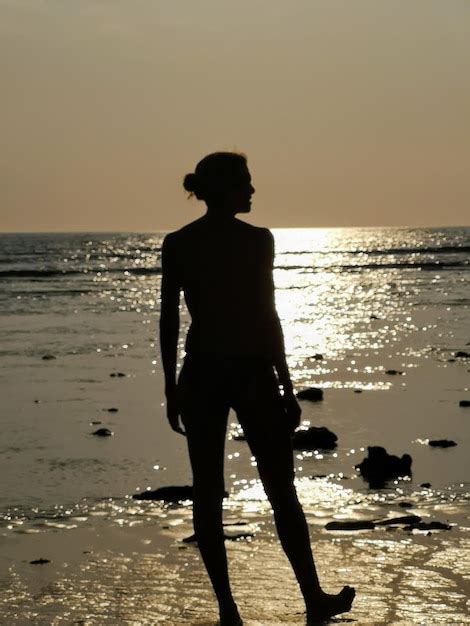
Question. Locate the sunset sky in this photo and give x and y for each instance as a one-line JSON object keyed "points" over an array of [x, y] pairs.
{"points": [[351, 112]]}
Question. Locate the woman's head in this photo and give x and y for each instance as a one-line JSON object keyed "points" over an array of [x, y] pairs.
{"points": [[223, 181]]}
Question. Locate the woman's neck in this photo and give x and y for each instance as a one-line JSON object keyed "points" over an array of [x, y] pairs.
{"points": [[219, 215]]}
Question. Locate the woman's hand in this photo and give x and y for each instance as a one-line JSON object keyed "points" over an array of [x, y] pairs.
{"points": [[292, 409], [172, 410]]}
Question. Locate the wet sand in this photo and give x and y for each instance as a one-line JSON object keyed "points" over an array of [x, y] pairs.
{"points": [[146, 574], [114, 560]]}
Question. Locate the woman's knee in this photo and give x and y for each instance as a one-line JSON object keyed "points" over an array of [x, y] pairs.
{"points": [[281, 493]]}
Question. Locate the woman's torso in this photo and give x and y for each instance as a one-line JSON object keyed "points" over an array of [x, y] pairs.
{"points": [[225, 272]]}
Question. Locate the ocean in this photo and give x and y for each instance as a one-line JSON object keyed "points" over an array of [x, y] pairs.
{"points": [[78, 337]]}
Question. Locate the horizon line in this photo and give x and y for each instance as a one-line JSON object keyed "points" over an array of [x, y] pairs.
{"points": [[164, 230]]}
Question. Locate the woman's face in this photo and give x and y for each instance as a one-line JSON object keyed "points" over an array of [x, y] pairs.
{"points": [[239, 199]]}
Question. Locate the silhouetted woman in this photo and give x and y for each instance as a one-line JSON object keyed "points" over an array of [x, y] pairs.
{"points": [[234, 358]]}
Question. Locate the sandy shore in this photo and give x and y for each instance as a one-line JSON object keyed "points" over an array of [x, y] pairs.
{"points": [[145, 574], [113, 561]]}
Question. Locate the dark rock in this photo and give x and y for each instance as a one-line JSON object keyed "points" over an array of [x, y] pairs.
{"points": [[112, 410], [95, 422], [319, 476], [351, 525], [117, 374], [374, 317], [379, 466], [464, 403], [450, 360], [428, 526], [425, 485], [442, 443], [39, 561], [239, 437], [314, 438], [37, 401], [405, 505], [314, 394], [357, 390], [229, 537], [404, 519], [167, 494], [317, 357], [48, 357], [102, 432], [462, 355], [393, 372]]}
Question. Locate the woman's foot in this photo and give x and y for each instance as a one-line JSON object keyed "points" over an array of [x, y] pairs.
{"points": [[327, 605], [229, 616]]}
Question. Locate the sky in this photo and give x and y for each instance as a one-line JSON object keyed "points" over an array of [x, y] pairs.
{"points": [[351, 112]]}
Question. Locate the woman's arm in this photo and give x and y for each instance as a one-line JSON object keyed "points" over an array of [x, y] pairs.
{"points": [[169, 327]]}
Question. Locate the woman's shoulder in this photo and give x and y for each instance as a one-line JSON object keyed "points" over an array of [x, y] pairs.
{"points": [[260, 232], [176, 236]]}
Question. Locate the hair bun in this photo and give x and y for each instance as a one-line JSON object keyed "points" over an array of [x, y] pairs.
{"points": [[190, 182]]}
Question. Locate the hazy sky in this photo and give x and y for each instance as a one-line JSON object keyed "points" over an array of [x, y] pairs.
{"points": [[351, 112]]}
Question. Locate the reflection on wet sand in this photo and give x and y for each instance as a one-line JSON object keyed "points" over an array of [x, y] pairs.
{"points": [[401, 579]]}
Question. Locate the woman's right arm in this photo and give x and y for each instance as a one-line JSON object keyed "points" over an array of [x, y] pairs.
{"points": [[169, 327], [291, 405]]}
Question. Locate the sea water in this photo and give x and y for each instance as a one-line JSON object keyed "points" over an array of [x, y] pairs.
{"points": [[78, 336]]}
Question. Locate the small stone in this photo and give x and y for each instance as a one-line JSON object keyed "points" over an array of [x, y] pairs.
{"points": [[230, 537], [357, 390], [48, 357], [428, 526], [351, 525], [314, 394], [167, 494], [393, 372], [462, 355], [442, 443], [425, 485], [405, 505], [374, 317], [314, 437], [317, 357], [175, 493], [112, 410], [404, 519], [117, 374], [39, 561], [102, 432], [95, 422]]}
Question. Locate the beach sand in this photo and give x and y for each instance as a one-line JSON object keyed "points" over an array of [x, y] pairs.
{"points": [[114, 560], [146, 575]]}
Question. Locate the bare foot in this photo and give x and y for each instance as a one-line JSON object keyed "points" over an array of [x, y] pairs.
{"points": [[328, 605]]}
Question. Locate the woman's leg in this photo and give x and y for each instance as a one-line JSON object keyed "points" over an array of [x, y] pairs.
{"points": [[265, 426], [205, 421]]}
